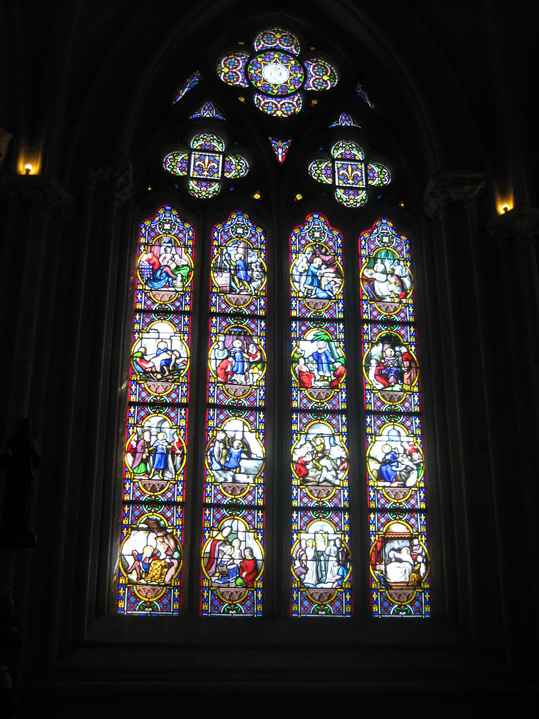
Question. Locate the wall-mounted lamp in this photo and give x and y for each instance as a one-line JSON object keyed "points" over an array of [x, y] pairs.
{"points": [[504, 201], [29, 160], [504, 206]]}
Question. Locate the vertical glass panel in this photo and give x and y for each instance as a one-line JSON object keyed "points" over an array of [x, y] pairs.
{"points": [[399, 557], [151, 554], [235, 457], [321, 566]]}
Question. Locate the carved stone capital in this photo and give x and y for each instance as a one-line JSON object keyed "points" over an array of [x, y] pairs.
{"points": [[516, 224], [448, 187], [109, 170], [42, 191]]}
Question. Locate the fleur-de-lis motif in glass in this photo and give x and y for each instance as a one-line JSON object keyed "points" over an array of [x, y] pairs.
{"points": [[205, 164], [352, 176]]}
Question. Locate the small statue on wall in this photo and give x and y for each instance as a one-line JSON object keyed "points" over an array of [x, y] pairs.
{"points": [[21, 459]]}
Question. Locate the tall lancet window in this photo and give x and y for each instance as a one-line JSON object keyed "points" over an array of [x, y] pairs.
{"points": [[151, 555], [321, 566], [234, 494], [399, 561]]}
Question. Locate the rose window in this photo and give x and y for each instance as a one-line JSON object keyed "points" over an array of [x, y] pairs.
{"points": [[276, 73]]}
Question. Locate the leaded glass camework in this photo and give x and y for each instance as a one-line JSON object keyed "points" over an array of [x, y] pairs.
{"points": [[321, 565], [345, 120], [235, 457], [351, 175], [189, 84], [280, 148], [208, 110], [205, 165], [399, 556], [151, 553], [276, 73]]}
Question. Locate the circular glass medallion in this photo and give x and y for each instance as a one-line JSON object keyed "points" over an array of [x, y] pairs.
{"points": [[275, 73]]}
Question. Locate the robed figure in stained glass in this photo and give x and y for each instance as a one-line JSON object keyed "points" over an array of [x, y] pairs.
{"points": [[234, 453]]}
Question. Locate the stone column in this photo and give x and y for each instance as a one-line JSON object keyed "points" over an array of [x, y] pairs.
{"points": [[34, 210], [459, 354], [31, 205], [516, 393], [78, 437]]}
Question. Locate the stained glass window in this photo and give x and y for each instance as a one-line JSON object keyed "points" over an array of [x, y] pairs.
{"points": [[189, 84], [365, 96], [234, 489], [345, 120], [321, 564], [230, 416], [276, 73], [352, 177], [399, 558], [280, 148], [205, 165], [151, 553], [208, 110]]}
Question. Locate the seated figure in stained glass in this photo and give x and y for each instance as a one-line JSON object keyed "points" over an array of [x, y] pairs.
{"points": [[232, 558]]}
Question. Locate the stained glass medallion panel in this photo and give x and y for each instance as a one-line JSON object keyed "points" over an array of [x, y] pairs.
{"points": [[234, 485], [151, 552], [399, 556], [320, 554]]}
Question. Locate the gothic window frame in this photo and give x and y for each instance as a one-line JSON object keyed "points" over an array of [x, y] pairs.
{"points": [[316, 202]]}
